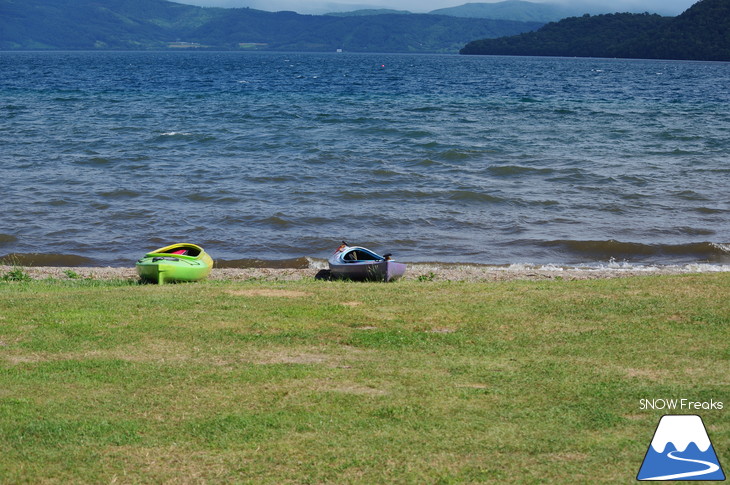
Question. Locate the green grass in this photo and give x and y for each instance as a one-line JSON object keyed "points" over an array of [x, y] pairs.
{"points": [[337, 382], [15, 274]]}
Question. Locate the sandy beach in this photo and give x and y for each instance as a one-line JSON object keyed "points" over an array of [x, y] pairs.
{"points": [[420, 271]]}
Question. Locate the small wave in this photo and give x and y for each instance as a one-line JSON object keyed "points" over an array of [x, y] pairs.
{"points": [[693, 231], [623, 266], [7, 238], [674, 153], [574, 175], [455, 155], [42, 259], [384, 172], [386, 194], [709, 210], [414, 134], [612, 250], [544, 203], [176, 134], [612, 266], [317, 263], [120, 194], [470, 196], [426, 162], [679, 136], [268, 179], [426, 109], [292, 263], [94, 161], [14, 107], [217, 198], [516, 170], [276, 221], [183, 136], [636, 180], [690, 195]]}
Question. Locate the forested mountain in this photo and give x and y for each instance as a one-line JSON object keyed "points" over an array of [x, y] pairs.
{"points": [[159, 24], [700, 33], [88, 24], [587, 36]]}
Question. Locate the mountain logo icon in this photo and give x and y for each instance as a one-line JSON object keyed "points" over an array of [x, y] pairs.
{"points": [[681, 450]]}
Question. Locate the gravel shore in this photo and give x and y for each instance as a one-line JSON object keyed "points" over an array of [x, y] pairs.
{"points": [[420, 271]]}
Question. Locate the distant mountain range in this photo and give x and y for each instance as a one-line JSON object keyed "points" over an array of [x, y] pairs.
{"points": [[700, 33], [516, 10], [364, 12], [486, 9], [160, 24]]}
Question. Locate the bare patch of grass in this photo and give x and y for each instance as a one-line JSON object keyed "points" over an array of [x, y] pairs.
{"points": [[276, 293], [473, 386], [289, 357], [650, 374], [169, 464], [344, 387]]}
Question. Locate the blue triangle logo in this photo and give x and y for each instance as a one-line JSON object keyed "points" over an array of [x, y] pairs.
{"points": [[681, 450]]}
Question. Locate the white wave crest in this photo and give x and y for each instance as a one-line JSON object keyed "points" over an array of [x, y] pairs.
{"points": [[317, 264], [725, 248]]}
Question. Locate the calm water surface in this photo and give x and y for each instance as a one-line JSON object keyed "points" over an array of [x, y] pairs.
{"points": [[493, 160]]}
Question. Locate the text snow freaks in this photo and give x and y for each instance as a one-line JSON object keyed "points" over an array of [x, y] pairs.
{"points": [[679, 404]]}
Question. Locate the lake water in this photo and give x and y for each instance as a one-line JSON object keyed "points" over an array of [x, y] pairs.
{"points": [[280, 156]]}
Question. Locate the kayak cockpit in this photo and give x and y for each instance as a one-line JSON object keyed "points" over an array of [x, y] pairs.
{"points": [[189, 250], [361, 254]]}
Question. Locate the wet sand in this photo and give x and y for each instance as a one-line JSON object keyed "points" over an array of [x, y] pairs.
{"points": [[425, 272]]}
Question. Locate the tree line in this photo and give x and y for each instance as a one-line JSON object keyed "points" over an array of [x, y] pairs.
{"points": [[700, 33]]}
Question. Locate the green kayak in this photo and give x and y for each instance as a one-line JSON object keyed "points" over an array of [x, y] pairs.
{"points": [[177, 262]]}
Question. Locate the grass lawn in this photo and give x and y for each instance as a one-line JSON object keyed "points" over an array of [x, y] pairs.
{"points": [[339, 382]]}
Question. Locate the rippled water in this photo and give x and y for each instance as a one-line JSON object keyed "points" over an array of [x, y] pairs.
{"points": [[494, 160]]}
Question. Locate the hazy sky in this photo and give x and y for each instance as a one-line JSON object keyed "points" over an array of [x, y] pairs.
{"points": [[666, 7]]}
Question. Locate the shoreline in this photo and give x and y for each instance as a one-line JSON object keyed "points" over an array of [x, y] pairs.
{"points": [[420, 271]]}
